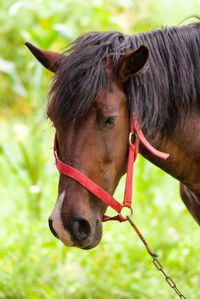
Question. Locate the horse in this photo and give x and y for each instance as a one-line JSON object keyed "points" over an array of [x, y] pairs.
{"points": [[101, 82]]}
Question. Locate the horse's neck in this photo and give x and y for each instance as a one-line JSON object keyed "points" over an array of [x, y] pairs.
{"points": [[184, 149]]}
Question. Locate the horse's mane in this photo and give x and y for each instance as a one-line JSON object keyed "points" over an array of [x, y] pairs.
{"points": [[168, 87]]}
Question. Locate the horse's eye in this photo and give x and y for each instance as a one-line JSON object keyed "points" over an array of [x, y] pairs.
{"points": [[110, 122]]}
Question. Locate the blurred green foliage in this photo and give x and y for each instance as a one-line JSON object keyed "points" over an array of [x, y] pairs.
{"points": [[33, 264]]}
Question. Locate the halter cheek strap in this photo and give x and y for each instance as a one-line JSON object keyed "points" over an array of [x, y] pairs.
{"points": [[135, 137]]}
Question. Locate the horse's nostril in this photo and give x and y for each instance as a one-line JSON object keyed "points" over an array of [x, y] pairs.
{"points": [[52, 229], [81, 229]]}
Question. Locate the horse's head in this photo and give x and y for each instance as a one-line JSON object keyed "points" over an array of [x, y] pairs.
{"points": [[94, 142]]}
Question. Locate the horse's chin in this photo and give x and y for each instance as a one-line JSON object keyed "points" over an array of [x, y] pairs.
{"points": [[90, 246]]}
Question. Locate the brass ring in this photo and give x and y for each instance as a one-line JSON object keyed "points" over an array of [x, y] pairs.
{"points": [[129, 214]]}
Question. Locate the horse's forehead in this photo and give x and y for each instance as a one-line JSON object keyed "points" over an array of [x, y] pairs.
{"points": [[111, 98]]}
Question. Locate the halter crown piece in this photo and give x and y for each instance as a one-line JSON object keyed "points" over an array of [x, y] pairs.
{"points": [[135, 137]]}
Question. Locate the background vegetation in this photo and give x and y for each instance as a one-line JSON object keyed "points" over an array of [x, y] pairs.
{"points": [[33, 264]]}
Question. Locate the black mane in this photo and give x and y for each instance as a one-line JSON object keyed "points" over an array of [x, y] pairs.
{"points": [[169, 87]]}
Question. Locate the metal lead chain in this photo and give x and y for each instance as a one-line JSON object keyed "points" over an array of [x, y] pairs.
{"points": [[156, 262], [168, 279]]}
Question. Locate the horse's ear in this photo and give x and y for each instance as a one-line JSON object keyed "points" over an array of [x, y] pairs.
{"points": [[132, 62], [48, 59]]}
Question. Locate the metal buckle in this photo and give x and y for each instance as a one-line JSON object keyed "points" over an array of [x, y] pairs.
{"points": [[132, 138]]}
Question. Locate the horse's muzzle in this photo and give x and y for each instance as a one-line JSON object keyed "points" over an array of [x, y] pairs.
{"points": [[80, 233]]}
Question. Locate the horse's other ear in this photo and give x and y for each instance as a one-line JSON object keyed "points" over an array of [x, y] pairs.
{"points": [[48, 59], [132, 62]]}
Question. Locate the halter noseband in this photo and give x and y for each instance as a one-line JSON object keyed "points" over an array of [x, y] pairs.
{"points": [[135, 137]]}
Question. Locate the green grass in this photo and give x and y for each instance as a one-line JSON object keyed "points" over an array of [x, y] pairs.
{"points": [[33, 264]]}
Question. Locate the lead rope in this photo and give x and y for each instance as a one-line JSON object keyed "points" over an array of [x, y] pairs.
{"points": [[156, 262]]}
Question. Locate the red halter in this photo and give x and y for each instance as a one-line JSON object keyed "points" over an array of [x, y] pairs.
{"points": [[135, 137]]}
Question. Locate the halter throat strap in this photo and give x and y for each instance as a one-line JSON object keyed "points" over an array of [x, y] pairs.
{"points": [[135, 137]]}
